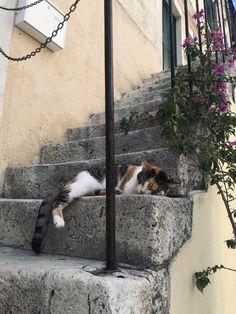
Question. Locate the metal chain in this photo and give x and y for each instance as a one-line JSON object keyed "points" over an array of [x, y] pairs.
{"points": [[47, 41], [21, 8]]}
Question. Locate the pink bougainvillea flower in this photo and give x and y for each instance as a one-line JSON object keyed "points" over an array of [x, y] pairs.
{"points": [[218, 45], [198, 15], [223, 87], [217, 39], [231, 63], [218, 69], [216, 33], [146, 110], [223, 107], [186, 42], [189, 41], [233, 143]]}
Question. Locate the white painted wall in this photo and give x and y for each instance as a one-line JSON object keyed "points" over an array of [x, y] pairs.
{"points": [[6, 26], [148, 17]]}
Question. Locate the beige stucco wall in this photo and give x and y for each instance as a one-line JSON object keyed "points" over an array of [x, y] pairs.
{"points": [[53, 91], [206, 247]]}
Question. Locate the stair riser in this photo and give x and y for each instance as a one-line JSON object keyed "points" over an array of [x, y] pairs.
{"points": [[149, 229], [39, 181], [141, 96], [157, 76], [157, 85], [98, 130], [145, 139], [99, 118], [56, 285]]}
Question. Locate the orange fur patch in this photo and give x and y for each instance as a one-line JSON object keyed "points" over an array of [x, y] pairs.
{"points": [[153, 186], [129, 173], [146, 165]]}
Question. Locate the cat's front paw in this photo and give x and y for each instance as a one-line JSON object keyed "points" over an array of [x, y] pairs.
{"points": [[58, 221]]}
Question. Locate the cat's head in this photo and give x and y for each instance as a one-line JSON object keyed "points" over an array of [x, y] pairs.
{"points": [[153, 180]]}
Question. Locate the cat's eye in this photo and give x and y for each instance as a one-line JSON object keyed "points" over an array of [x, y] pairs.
{"points": [[139, 176]]}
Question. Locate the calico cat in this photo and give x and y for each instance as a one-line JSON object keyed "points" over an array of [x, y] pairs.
{"points": [[130, 179]]}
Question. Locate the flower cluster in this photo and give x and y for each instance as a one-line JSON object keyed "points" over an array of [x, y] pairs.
{"points": [[223, 107], [198, 15], [231, 63], [217, 38], [189, 41], [218, 69]]}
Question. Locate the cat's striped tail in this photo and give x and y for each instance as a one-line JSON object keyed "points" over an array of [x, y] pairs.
{"points": [[44, 215]]}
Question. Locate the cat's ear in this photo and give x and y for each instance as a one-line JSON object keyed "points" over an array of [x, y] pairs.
{"points": [[146, 165]]}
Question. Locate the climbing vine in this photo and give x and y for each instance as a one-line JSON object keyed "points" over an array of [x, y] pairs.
{"points": [[198, 121]]}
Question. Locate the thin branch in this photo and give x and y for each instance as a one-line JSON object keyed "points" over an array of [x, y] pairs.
{"points": [[227, 268], [227, 208]]}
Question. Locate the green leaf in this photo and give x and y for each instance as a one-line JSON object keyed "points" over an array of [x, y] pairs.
{"points": [[231, 244], [202, 283]]}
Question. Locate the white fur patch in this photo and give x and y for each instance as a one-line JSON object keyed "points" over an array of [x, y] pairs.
{"points": [[85, 184], [58, 221], [143, 189], [131, 186]]}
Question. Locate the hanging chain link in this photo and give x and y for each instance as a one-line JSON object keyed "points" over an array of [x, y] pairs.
{"points": [[47, 41], [21, 8]]}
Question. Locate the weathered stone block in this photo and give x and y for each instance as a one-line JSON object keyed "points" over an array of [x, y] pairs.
{"points": [[95, 148], [52, 284], [150, 229]]}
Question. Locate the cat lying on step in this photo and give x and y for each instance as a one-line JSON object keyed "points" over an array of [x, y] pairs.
{"points": [[143, 179]]}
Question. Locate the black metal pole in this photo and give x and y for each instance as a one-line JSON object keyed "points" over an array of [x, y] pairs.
{"points": [[110, 140], [198, 27], [187, 35], [218, 23], [172, 52], [229, 22]]}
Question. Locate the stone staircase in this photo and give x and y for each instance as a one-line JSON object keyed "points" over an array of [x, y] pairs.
{"points": [[150, 229]]}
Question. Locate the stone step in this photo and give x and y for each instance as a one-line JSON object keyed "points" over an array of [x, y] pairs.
{"points": [[36, 181], [64, 285], [94, 148], [157, 76], [155, 82], [150, 229], [99, 118], [144, 93], [98, 130]]}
